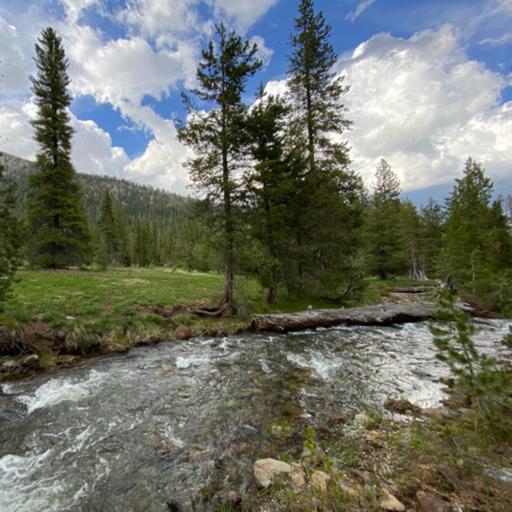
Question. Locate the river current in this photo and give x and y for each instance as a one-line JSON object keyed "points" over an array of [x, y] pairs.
{"points": [[147, 430]]}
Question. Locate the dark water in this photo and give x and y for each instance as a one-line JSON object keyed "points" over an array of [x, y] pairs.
{"points": [[141, 431]]}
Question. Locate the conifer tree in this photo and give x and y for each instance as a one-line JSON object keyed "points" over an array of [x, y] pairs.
{"points": [[218, 137], [271, 191], [10, 235], [431, 237], [59, 235], [478, 243], [386, 243], [327, 234], [108, 251], [316, 90]]}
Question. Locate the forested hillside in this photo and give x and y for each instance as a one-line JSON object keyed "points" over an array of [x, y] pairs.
{"points": [[161, 227]]}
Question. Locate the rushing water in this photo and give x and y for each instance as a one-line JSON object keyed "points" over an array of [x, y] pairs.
{"points": [[143, 431]]}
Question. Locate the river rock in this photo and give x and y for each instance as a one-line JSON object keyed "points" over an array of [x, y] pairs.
{"points": [[391, 503], [297, 476], [266, 469], [320, 480], [430, 503], [183, 332], [31, 361]]}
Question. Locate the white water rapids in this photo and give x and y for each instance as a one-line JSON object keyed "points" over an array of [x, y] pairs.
{"points": [[142, 431]]}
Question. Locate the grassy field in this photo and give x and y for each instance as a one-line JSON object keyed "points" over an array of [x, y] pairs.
{"points": [[73, 312]]}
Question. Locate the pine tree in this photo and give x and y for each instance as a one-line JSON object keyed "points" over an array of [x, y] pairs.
{"points": [[411, 237], [327, 234], [270, 192], [218, 136], [316, 90], [59, 235], [108, 251], [10, 236], [478, 243], [431, 237], [386, 243]]}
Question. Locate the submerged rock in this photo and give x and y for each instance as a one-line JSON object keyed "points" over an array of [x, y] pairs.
{"points": [[266, 469]]}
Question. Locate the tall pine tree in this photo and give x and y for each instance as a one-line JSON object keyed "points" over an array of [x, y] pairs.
{"points": [[387, 250], [108, 237], [271, 192], [218, 136], [10, 235], [59, 235], [327, 237]]}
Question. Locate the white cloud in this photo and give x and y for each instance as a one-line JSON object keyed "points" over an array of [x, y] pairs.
{"points": [[13, 72], [497, 41], [125, 69], [422, 104], [264, 53], [16, 130], [241, 13], [92, 152], [156, 17], [74, 8], [361, 7]]}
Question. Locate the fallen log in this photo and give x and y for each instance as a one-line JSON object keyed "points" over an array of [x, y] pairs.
{"points": [[411, 289], [384, 314]]}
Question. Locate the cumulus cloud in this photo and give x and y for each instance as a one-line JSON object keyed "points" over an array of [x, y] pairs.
{"points": [[425, 106], [241, 13], [13, 72], [264, 53], [74, 8], [92, 152], [361, 7]]}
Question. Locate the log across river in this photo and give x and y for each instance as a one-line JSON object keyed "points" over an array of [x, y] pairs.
{"points": [[383, 314]]}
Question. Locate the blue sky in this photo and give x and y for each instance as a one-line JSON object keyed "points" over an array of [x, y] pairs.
{"points": [[430, 80]]}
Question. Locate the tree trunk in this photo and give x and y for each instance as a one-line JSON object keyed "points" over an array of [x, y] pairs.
{"points": [[372, 315]]}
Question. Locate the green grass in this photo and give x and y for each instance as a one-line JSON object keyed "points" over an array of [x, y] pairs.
{"points": [[91, 311]]}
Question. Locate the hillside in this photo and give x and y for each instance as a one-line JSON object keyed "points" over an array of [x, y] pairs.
{"points": [[136, 200]]}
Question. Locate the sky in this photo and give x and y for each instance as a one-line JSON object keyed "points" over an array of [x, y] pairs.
{"points": [[430, 81]]}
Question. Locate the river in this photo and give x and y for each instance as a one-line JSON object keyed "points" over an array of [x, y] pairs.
{"points": [[146, 431]]}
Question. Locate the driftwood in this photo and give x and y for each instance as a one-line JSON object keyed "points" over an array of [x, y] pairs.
{"points": [[384, 314]]}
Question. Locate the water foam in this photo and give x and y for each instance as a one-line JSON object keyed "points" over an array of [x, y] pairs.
{"points": [[56, 391]]}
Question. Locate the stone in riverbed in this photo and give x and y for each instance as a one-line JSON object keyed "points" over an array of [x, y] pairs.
{"points": [[266, 469], [182, 333], [391, 503]]}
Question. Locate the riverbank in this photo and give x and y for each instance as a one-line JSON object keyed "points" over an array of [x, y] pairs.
{"points": [[59, 318], [441, 459]]}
